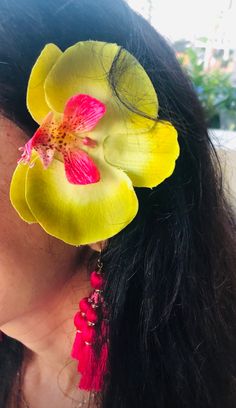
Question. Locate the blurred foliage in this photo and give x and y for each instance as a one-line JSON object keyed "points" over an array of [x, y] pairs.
{"points": [[214, 87]]}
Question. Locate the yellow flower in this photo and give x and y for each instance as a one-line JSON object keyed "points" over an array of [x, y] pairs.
{"points": [[76, 174]]}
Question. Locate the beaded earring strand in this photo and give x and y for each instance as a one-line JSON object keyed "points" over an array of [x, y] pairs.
{"points": [[92, 312]]}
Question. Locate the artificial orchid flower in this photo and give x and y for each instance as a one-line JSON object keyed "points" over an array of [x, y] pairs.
{"points": [[77, 174]]}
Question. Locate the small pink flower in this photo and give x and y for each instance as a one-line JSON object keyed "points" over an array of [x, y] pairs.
{"points": [[67, 134]]}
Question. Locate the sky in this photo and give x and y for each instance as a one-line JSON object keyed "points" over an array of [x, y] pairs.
{"points": [[190, 19]]}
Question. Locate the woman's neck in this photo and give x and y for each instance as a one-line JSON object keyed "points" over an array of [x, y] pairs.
{"points": [[48, 333]]}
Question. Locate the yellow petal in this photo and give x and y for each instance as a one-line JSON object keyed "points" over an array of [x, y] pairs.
{"points": [[84, 68], [36, 102], [148, 158], [80, 214], [17, 193], [135, 89]]}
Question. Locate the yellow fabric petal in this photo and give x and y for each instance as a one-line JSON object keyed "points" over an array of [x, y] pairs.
{"points": [[17, 193], [84, 68], [36, 102], [148, 158], [80, 214]]}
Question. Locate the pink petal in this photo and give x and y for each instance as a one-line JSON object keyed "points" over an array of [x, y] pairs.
{"points": [[41, 144], [80, 168], [40, 141], [82, 113], [27, 150]]}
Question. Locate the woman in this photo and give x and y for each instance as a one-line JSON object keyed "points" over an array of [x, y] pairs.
{"points": [[170, 274]]}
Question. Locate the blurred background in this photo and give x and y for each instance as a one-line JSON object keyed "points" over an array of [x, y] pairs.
{"points": [[203, 34]]}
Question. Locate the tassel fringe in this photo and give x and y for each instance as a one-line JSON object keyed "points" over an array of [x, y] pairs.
{"points": [[92, 311]]}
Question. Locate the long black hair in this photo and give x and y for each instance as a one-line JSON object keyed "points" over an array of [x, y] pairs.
{"points": [[170, 275]]}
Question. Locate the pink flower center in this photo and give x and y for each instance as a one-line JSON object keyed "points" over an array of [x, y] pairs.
{"points": [[68, 136]]}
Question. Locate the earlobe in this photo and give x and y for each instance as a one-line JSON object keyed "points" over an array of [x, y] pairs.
{"points": [[99, 246]]}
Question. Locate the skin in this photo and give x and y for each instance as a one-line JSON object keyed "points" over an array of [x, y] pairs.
{"points": [[42, 281]]}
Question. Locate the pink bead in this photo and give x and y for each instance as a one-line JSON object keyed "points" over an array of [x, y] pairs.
{"points": [[84, 304], [79, 321], [96, 298], [88, 334], [96, 280], [91, 315]]}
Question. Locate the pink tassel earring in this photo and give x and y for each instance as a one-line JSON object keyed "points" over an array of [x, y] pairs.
{"points": [[92, 312]]}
